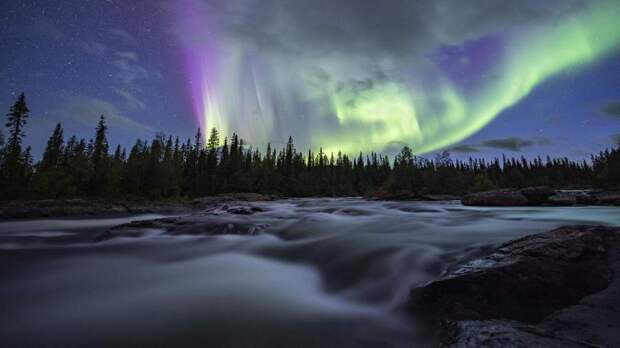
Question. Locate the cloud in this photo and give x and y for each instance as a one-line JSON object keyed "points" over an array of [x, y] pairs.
{"points": [[130, 74], [510, 143], [123, 35], [127, 55], [514, 143], [359, 75], [612, 109], [129, 71], [131, 100], [85, 111], [395, 27], [92, 47], [464, 148]]}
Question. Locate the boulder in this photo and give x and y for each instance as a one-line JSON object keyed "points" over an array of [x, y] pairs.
{"points": [[498, 198], [529, 292], [537, 195], [565, 200], [607, 198], [439, 197]]}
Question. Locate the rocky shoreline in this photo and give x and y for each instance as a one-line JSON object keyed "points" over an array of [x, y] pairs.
{"points": [[541, 196], [97, 207], [553, 289], [528, 196], [531, 196]]}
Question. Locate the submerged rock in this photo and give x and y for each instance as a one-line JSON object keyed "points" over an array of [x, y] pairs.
{"points": [[530, 292]]}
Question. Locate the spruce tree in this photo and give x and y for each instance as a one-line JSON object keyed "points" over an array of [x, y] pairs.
{"points": [[100, 160], [16, 120], [54, 149], [50, 180], [15, 163], [100, 146]]}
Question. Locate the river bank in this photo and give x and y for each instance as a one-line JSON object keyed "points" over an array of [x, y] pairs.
{"points": [[532, 196], [31, 209]]}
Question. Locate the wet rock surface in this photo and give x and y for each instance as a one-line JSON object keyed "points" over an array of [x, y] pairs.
{"points": [[411, 196], [554, 289], [215, 220], [496, 198], [90, 207], [541, 196], [84, 207]]}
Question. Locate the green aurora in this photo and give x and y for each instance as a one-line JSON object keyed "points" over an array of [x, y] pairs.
{"points": [[393, 110]]}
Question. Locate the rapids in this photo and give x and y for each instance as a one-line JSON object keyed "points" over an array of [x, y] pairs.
{"points": [[325, 273]]}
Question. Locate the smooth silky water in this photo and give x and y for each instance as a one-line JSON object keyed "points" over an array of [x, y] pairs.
{"points": [[326, 273]]}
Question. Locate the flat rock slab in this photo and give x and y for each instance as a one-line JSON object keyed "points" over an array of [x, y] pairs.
{"points": [[558, 286]]}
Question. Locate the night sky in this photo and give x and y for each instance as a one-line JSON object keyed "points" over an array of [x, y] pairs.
{"points": [[479, 77]]}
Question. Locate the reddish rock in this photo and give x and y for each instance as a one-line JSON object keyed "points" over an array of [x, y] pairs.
{"points": [[499, 198], [526, 279], [554, 289]]}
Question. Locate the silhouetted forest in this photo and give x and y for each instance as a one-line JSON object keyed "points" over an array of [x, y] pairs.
{"points": [[167, 167]]}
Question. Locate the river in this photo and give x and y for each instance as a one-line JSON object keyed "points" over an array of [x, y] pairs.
{"points": [[325, 273]]}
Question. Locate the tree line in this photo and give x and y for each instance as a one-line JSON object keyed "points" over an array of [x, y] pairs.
{"points": [[166, 167]]}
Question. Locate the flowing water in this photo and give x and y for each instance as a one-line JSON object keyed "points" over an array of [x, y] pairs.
{"points": [[325, 273]]}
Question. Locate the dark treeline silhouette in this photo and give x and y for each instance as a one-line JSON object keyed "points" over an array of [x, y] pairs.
{"points": [[166, 167]]}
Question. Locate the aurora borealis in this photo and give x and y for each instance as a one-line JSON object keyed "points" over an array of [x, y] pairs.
{"points": [[367, 104], [344, 75]]}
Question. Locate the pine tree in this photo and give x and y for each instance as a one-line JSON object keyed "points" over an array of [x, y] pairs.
{"points": [[15, 162], [50, 180], [163, 168], [16, 120], [213, 144], [100, 160], [53, 152], [214, 140], [154, 176], [100, 146]]}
